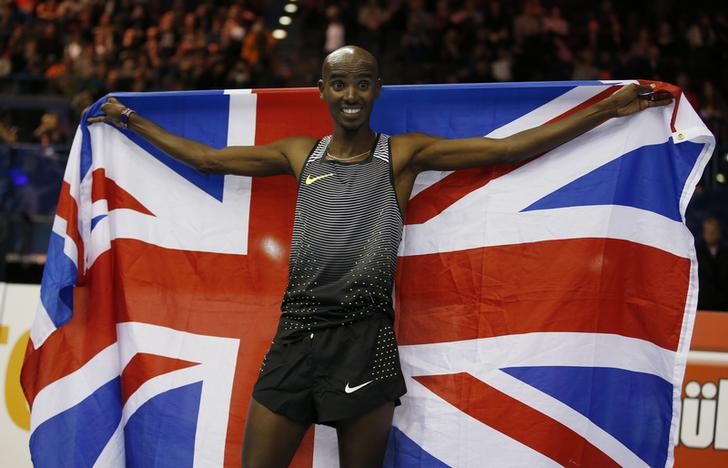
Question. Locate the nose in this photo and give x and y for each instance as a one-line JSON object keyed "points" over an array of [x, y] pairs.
{"points": [[350, 93]]}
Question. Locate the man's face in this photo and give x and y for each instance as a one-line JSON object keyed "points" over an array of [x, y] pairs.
{"points": [[349, 86]]}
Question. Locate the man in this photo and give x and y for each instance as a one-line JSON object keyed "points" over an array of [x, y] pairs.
{"points": [[712, 268], [334, 357]]}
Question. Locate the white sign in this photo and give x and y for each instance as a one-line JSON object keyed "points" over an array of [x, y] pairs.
{"points": [[17, 307]]}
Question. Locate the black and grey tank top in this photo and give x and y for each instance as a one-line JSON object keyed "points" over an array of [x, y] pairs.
{"points": [[346, 234]]}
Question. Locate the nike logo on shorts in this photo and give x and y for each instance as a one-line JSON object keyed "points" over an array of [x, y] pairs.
{"points": [[310, 180], [349, 389]]}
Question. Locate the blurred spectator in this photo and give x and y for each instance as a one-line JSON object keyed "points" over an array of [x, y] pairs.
{"points": [[371, 18], [8, 133], [335, 30], [497, 23], [554, 23], [584, 67], [259, 49], [48, 131], [502, 65], [712, 268], [417, 42], [713, 111], [529, 22]]}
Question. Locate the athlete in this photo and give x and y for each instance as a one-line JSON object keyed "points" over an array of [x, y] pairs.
{"points": [[334, 357]]}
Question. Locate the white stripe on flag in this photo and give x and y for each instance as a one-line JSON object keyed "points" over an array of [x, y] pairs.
{"points": [[217, 357], [60, 226], [114, 453], [483, 355], [192, 219], [72, 174], [460, 440], [483, 359], [241, 117], [536, 117], [70, 390], [160, 384], [466, 227], [42, 327]]}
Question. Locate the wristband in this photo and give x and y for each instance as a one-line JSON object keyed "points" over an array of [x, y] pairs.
{"points": [[124, 117]]}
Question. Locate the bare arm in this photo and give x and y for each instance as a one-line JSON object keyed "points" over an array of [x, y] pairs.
{"points": [[284, 156], [432, 153]]}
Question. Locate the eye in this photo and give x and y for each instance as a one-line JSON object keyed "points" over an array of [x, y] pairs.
{"points": [[364, 85], [338, 85]]}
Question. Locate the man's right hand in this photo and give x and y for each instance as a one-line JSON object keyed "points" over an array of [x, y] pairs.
{"points": [[112, 109]]}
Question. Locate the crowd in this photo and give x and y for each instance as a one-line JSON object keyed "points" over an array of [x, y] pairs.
{"points": [[83, 49]]}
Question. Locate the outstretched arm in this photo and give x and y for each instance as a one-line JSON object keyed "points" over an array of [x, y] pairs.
{"points": [[432, 153], [280, 157]]}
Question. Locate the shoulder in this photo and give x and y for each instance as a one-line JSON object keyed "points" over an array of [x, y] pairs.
{"points": [[295, 148], [408, 144], [296, 143], [413, 139]]}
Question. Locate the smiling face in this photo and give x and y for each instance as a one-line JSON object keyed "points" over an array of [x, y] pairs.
{"points": [[350, 83]]}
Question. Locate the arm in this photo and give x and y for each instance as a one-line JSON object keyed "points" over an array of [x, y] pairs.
{"points": [[432, 153], [280, 157]]}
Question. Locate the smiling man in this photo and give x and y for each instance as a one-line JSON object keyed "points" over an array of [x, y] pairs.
{"points": [[334, 356]]}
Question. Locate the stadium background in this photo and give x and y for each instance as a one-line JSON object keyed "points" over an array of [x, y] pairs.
{"points": [[58, 57]]}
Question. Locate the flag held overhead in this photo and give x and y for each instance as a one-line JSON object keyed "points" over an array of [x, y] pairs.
{"points": [[525, 293]]}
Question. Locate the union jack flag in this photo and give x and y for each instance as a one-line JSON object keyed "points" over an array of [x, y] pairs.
{"points": [[544, 310]]}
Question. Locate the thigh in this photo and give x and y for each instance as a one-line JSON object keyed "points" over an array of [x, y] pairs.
{"points": [[363, 439], [270, 439]]}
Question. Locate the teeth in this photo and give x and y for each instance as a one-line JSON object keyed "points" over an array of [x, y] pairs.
{"points": [[351, 110]]}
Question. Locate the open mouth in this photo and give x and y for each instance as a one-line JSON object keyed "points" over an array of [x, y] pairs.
{"points": [[351, 110]]}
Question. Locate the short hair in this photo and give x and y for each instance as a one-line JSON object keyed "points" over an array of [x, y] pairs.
{"points": [[347, 50]]}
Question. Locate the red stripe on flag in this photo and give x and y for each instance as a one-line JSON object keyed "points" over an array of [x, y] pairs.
{"points": [[143, 367], [27, 374], [104, 188], [284, 113], [68, 210], [260, 277], [592, 100], [575, 285], [516, 420], [436, 198], [237, 296], [90, 330]]}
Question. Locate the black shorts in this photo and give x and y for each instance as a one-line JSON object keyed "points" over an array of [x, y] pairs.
{"points": [[332, 374]]}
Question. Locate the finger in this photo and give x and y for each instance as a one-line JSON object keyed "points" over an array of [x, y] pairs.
{"points": [[660, 95], [643, 90], [659, 102], [96, 119], [113, 100]]}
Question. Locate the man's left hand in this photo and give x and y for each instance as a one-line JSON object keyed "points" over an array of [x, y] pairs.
{"points": [[634, 98]]}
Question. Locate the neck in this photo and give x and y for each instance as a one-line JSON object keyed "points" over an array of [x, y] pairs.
{"points": [[346, 142]]}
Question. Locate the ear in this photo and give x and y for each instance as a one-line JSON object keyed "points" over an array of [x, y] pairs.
{"points": [[321, 88], [378, 86]]}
